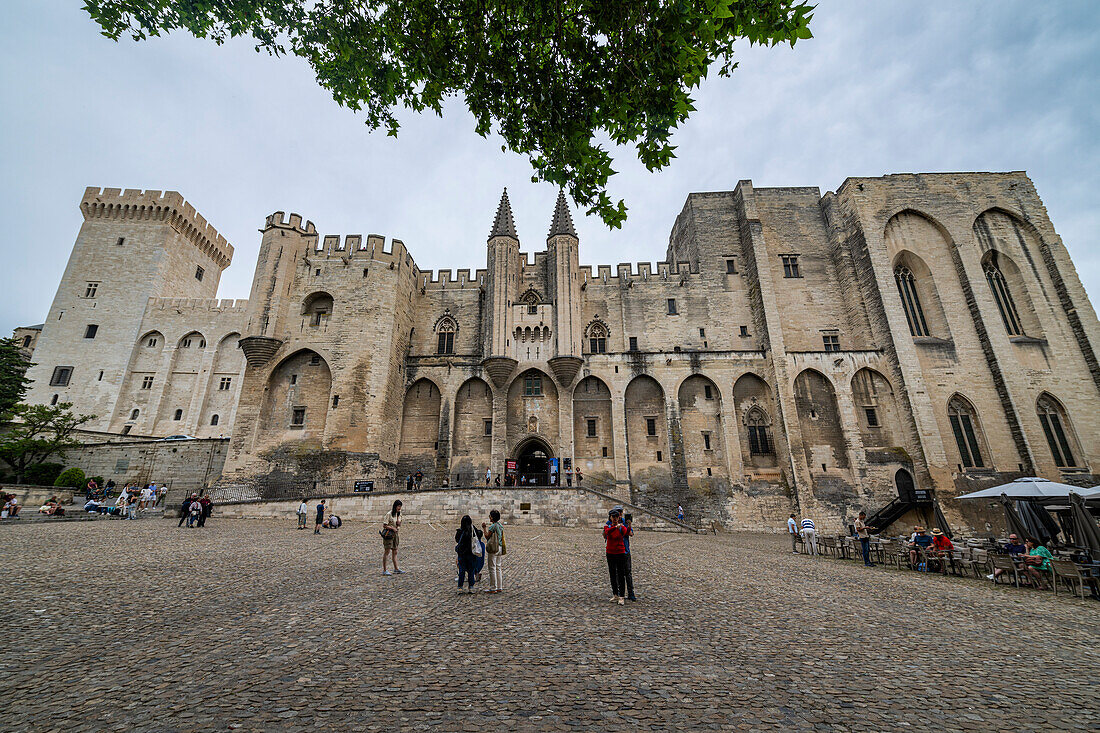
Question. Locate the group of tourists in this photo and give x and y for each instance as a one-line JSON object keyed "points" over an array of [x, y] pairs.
{"points": [[414, 481], [195, 510], [323, 521], [478, 548], [9, 506]]}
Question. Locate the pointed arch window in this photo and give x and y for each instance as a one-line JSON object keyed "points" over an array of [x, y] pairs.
{"points": [[446, 330], [597, 338], [760, 441], [1005, 304], [910, 301], [1055, 427], [964, 426], [531, 299]]}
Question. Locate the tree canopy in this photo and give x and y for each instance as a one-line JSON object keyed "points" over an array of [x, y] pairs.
{"points": [[37, 433], [552, 77], [13, 370]]}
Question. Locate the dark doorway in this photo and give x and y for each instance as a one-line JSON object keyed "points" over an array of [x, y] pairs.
{"points": [[533, 458], [906, 489]]}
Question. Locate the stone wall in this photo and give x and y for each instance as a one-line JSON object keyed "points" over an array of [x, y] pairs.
{"points": [[186, 464], [549, 507]]}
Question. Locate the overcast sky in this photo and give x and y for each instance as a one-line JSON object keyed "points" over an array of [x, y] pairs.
{"points": [[884, 87]]}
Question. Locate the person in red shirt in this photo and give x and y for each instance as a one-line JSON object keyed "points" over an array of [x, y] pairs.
{"points": [[614, 534], [941, 545]]}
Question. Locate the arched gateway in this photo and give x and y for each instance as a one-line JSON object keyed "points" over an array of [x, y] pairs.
{"points": [[532, 457]]}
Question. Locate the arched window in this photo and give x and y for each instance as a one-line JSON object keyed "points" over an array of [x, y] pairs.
{"points": [[910, 301], [760, 442], [965, 428], [1005, 304], [178, 415], [531, 299], [446, 329], [213, 419], [597, 338], [134, 413], [318, 307], [1056, 428]]}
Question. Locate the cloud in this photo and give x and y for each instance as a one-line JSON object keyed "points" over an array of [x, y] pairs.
{"points": [[882, 88]]}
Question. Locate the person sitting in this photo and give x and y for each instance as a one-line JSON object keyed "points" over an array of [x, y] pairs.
{"points": [[919, 541], [1013, 548], [941, 545], [1037, 562]]}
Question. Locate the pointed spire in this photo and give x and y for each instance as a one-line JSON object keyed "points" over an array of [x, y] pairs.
{"points": [[503, 225], [563, 220]]}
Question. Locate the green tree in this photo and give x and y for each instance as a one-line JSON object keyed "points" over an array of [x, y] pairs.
{"points": [[72, 478], [36, 433], [552, 77], [13, 370]]}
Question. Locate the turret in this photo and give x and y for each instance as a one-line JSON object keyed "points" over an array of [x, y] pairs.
{"points": [[562, 245], [282, 244], [502, 274]]}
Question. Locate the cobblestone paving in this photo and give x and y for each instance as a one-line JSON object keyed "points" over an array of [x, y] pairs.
{"points": [[256, 626]]}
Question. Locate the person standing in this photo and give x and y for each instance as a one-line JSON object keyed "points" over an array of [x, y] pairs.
{"points": [[792, 530], [468, 548], [495, 549], [418, 478], [408, 482], [193, 512], [303, 511], [185, 508], [628, 576], [391, 531], [320, 517], [207, 505], [488, 477], [614, 534], [809, 535], [863, 532]]}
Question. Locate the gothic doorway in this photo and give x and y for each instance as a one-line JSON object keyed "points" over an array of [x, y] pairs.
{"points": [[533, 462]]}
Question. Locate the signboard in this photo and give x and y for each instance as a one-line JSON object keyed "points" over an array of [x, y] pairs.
{"points": [[567, 464], [510, 466], [364, 486], [553, 471]]}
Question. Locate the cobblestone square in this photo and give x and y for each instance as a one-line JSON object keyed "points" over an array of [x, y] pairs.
{"points": [[251, 625]]}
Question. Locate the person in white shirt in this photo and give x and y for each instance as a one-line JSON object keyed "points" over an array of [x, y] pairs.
{"points": [[146, 498], [303, 510], [809, 535], [792, 530]]}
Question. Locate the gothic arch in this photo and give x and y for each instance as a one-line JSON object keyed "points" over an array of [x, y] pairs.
{"points": [[647, 436], [819, 417], [317, 308], [920, 299], [701, 430], [594, 428], [966, 428], [1010, 294], [419, 428], [752, 395], [1058, 430], [296, 400], [473, 429], [877, 413]]}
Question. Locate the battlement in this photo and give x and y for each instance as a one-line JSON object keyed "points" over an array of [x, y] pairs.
{"points": [[448, 280], [167, 206], [280, 220], [629, 274], [223, 305]]}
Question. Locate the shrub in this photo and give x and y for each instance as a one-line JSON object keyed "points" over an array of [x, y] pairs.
{"points": [[72, 478], [98, 481], [44, 474]]}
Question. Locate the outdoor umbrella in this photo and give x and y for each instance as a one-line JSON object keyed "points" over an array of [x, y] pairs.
{"points": [[1015, 524], [1038, 522], [1087, 533], [1030, 487]]}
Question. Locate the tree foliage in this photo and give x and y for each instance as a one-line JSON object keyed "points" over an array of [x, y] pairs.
{"points": [[13, 369], [72, 478], [37, 433], [552, 77]]}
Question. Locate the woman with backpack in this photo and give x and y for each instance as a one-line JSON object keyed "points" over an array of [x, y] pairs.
{"points": [[391, 528], [468, 549], [495, 549]]}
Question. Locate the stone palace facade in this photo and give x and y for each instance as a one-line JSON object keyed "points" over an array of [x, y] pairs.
{"points": [[922, 331]]}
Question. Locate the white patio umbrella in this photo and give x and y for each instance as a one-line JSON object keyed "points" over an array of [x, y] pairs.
{"points": [[1029, 487]]}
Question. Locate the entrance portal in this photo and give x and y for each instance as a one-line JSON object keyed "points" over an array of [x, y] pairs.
{"points": [[533, 462]]}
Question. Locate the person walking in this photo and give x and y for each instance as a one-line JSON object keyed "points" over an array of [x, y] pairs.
{"points": [[320, 519], [614, 534], [418, 478], [468, 549], [185, 508], [495, 549], [679, 513], [303, 511], [809, 535], [792, 530], [391, 535], [863, 532]]}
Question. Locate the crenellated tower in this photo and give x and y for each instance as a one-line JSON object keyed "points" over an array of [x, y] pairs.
{"points": [[562, 276]]}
